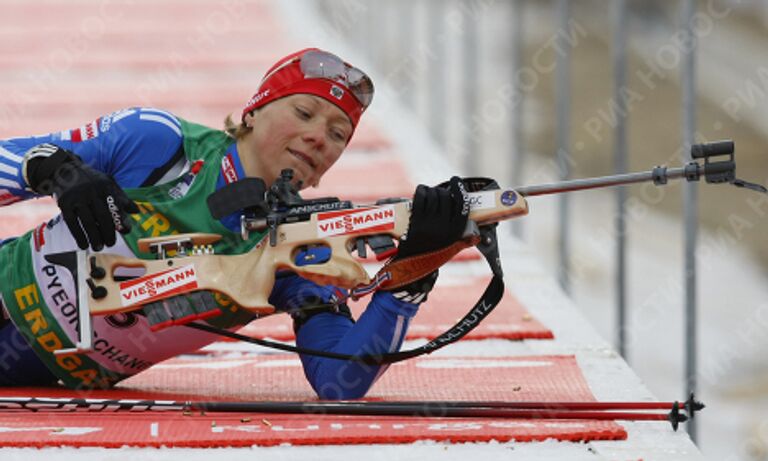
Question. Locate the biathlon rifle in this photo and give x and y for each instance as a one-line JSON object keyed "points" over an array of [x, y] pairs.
{"points": [[187, 262]]}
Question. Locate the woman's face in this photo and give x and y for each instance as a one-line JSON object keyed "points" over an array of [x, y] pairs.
{"points": [[302, 132]]}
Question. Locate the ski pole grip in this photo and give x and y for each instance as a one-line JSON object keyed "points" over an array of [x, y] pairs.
{"points": [[711, 149]]}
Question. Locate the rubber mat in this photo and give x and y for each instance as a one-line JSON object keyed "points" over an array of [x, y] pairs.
{"points": [[444, 307], [547, 378]]}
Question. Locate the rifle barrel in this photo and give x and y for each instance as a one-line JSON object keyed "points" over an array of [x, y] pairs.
{"points": [[659, 176]]}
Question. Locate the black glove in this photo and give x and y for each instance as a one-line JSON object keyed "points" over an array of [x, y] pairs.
{"points": [[438, 219], [92, 204]]}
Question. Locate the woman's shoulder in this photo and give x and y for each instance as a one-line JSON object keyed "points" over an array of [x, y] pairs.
{"points": [[147, 120], [141, 127]]}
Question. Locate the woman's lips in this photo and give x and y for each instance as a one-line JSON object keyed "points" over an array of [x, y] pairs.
{"points": [[304, 157]]}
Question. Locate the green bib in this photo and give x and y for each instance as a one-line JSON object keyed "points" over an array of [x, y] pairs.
{"points": [[179, 207]]}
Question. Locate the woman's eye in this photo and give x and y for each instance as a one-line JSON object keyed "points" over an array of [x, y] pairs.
{"points": [[337, 135]]}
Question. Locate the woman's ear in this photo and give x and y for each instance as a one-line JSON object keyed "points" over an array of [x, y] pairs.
{"points": [[248, 119]]}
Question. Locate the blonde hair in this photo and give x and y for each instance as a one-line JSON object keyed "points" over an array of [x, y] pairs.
{"points": [[236, 131]]}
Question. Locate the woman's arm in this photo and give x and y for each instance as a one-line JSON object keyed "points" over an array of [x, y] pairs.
{"points": [[438, 219], [380, 329], [132, 146]]}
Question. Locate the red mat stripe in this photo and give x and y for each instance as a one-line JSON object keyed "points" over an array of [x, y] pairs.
{"points": [[245, 430], [541, 378], [279, 377]]}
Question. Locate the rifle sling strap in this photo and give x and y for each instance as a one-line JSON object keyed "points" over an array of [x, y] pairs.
{"points": [[400, 272]]}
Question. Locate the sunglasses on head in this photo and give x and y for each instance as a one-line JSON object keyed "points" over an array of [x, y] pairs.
{"points": [[321, 64]]}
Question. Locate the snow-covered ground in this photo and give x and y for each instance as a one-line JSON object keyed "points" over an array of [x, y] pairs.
{"points": [[426, 451]]}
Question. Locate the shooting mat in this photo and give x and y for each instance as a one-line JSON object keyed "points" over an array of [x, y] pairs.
{"points": [[540, 378]]}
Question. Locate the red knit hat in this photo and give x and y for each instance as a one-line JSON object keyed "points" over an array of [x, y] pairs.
{"points": [[316, 72]]}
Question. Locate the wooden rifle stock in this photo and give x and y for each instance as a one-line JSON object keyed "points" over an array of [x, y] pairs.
{"points": [[248, 278]]}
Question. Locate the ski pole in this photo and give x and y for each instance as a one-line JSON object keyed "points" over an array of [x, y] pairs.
{"points": [[691, 405], [362, 408]]}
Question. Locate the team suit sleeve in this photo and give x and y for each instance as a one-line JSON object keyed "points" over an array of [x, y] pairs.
{"points": [[136, 146], [380, 328]]}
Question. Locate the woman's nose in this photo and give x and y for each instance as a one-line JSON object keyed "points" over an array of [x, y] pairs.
{"points": [[315, 134]]}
